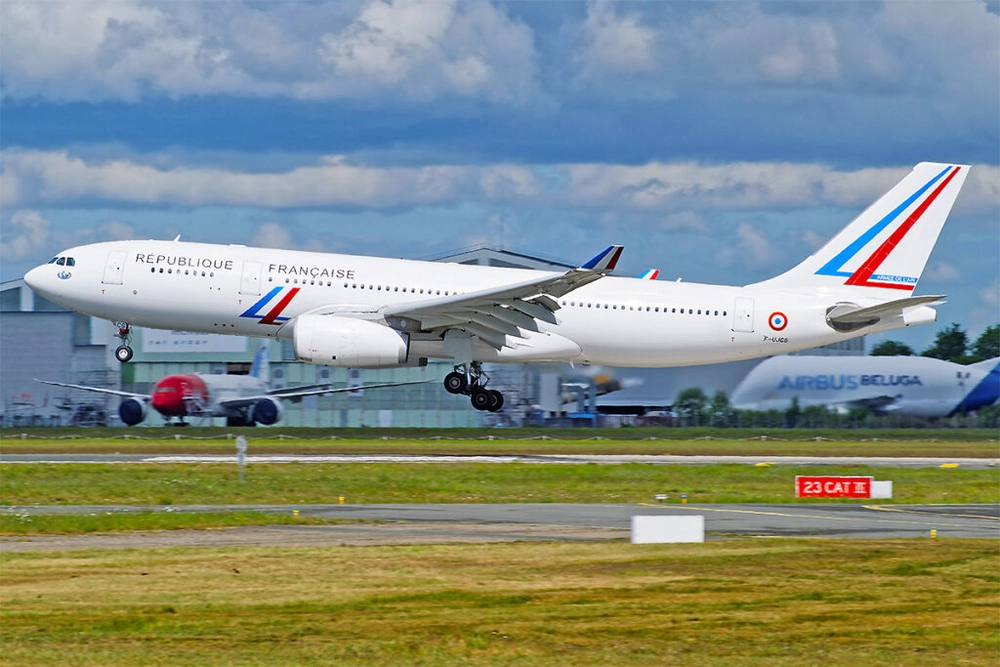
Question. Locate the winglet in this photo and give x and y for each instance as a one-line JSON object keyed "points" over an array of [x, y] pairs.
{"points": [[606, 260], [651, 274]]}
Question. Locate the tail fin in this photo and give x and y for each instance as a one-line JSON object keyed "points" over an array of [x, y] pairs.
{"points": [[883, 251], [987, 390], [262, 362]]}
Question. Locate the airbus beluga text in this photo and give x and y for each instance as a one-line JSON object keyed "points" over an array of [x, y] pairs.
{"points": [[244, 400], [364, 312]]}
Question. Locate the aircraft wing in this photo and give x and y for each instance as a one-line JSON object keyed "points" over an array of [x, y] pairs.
{"points": [[99, 390], [493, 314], [877, 404], [294, 394]]}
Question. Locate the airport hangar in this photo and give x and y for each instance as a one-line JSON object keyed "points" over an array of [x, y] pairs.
{"points": [[39, 339]]}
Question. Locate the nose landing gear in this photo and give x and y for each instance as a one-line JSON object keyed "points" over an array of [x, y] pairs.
{"points": [[123, 352], [469, 379]]}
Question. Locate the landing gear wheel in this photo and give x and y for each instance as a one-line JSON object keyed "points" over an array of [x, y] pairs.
{"points": [[455, 383], [481, 399], [123, 352], [496, 400]]}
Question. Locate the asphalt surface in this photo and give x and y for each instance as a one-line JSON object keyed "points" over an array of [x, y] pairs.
{"points": [[565, 459], [424, 524]]}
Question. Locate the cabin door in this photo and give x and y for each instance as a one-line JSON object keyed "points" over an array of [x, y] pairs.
{"points": [[250, 284], [115, 267], [743, 315]]}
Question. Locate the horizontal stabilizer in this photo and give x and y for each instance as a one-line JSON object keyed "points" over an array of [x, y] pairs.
{"points": [[848, 316]]}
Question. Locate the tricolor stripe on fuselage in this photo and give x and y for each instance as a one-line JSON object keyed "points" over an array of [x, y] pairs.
{"points": [[272, 316]]}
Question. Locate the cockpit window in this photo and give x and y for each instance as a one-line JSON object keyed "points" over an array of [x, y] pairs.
{"points": [[70, 261], [53, 260], [61, 261]]}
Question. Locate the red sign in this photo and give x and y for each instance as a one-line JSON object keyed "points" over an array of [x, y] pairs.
{"points": [[833, 487]]}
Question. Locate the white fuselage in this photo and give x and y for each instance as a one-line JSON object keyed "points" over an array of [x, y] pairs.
{"points": [[919, 386], [259, 292]]}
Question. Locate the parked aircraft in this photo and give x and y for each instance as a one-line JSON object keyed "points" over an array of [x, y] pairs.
{"points": [[918, 386], [244, 400], [351, 311]]}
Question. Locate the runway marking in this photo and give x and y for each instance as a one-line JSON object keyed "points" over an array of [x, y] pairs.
{"points": [[703, 508], [906, 510]]}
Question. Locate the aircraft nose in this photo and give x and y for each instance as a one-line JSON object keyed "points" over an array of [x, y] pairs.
{"points": [[33, 278]]}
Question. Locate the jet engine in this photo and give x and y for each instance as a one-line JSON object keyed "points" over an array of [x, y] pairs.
{"points": [[132, 411], [266, 411], [331, 340]]}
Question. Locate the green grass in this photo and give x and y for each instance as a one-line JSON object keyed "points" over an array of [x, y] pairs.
{"points": [[975, 443], [104, 522], [319, 483], [741, 602]]}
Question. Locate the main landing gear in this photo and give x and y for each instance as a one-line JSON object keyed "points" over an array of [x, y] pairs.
{"points": [[470, 380], [123, 352]]}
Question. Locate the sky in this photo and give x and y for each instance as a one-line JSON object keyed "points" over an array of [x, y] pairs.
{"points": [[720, 142]]}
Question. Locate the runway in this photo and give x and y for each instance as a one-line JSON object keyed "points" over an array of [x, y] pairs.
{"points": [[552, 459], [427, 524]]}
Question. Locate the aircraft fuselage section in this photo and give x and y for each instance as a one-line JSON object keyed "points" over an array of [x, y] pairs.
{"points": [[258, 292]]}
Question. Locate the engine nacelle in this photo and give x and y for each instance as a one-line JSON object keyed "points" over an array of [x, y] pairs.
{"points": [[132, 411], [267, 411], [332, 340]]}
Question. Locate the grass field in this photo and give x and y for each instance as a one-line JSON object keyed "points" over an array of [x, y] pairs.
{"points": [[325, 483], [743, 602], [974, 443], [733, 602]]}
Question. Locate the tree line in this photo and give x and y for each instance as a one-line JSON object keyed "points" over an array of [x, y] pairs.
{"points": [[950, 344]]}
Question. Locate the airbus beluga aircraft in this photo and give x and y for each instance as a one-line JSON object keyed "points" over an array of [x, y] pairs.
{"points": [[368, 312], [244, 400], [918, 386]]}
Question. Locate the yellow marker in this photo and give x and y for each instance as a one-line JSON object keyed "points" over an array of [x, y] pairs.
{"points": [[341, 500], [684, 499], [762, 464], [295, 512], [949, 465], [933, 533]]}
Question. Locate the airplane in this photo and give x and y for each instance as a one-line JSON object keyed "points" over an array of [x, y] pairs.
{"points": [[362, 312], [919, 386], [244, 400]]}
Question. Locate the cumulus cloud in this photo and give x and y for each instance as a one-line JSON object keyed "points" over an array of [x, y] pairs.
{"points": [[127, 49], [115, 230], [678, 191], [614, 43], [751, 247], [112, 49], [942, 272], [272, 235], [428, 48], [880, 50], [26, 233]]}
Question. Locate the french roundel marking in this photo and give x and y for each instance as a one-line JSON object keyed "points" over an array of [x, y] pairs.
{"points": [[777, 321]]}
